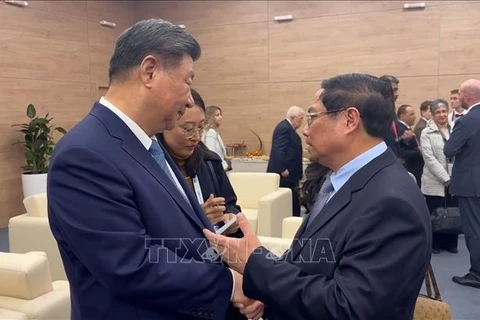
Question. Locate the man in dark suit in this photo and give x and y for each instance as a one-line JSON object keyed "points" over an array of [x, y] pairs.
{"points": [[425, 116], [287, 154], [368, 236], [409, 146], [128, 228], [392, 137], [464, 145]]}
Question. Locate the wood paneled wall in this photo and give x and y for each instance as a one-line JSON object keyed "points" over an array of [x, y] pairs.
{"points": [[55, 55], [255, 68]]}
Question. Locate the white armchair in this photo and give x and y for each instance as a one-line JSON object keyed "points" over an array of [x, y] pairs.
{"points": [[27, 290], [290, 227], [263, 202], [31, 232]]}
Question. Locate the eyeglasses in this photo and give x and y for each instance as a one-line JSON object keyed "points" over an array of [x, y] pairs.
{"points": [[190, 131], [311, 116]]}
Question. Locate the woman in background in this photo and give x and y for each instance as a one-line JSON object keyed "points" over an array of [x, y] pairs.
{"points": [[436, 175], [211, 137], [201, 167]]}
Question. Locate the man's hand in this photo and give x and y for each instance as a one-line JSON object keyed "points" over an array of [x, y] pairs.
{"points": [[285, 173], [250, 308], [214, 208], [233, 250], [234, 227], [408, 134]]}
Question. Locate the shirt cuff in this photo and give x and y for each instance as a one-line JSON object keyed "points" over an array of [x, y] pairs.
{"points": [[233, 287]]}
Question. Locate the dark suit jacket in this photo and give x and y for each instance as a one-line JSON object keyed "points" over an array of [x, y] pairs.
{"points": [[464, 145], [286, 153], [419, 127], [216, 182], [363, 257], [410, 154], [125, 233], [392, 140]]}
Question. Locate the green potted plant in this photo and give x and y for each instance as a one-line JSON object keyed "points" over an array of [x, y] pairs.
{"points": [[38, 146]]}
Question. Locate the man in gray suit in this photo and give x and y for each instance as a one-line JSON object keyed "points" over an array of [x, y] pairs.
{"points": [[464, 145]]}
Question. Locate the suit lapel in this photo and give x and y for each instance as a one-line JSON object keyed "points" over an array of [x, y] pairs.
{"points": [[134, 148], [340, 200]]}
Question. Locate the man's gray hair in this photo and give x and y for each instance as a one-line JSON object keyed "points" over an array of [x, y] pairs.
{"points": [[157, 37], [437, 104], [294, 111]]}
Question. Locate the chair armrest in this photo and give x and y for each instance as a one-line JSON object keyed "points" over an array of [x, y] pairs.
{"points": [[291, 226], [40, 238], [272, 209], [277, 246]]}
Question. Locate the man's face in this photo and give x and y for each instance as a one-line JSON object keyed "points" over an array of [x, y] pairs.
{"points": [[170, 93], [409, 116], [454, 101], [322, 133], [427, 114], [297, 121], [463, 97], [395, 90]]}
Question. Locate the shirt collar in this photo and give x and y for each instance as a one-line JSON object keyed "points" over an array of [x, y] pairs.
{"points": [[137, 131], [341, 177], [406, 125]]}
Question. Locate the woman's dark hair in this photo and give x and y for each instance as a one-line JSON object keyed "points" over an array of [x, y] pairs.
{"points": [[315, 176], [196, 158]]}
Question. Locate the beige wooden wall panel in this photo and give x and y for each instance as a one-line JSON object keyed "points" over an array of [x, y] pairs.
{"points": [[448, 83], [309, 9], [45, 60], [244, 106], [414, 90], [25, 22], [459, 42], [66, 102], [76, 9], [196, 14], [407, 45], [234, 54]]}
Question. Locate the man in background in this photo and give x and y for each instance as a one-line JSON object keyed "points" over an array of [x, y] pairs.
{"points": [[409, 146], [287, 154], [456, 107], [464, 145], [425, 116], [392, 137]]}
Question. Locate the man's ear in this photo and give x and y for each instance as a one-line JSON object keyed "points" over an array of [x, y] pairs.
{"points": [[149, 69], [352, 118]]}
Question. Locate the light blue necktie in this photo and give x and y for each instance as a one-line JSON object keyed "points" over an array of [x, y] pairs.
{"points": [[322, 197], [159, 156]]}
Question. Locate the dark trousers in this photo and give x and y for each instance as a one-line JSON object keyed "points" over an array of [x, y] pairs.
{"points": [[442, 240], [295, 195], [470, 214]]}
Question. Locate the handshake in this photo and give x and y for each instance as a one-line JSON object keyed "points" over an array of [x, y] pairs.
{"points": [[251, 309]]}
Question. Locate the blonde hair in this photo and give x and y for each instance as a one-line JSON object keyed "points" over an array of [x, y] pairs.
{"points": [[210, 112]]}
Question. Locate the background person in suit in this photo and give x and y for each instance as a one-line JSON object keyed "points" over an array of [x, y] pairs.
{"points": [[286, 154], [425, 116], [409, 145], [128, 228], [368, 236], [456, 107], [392, 137], [464, 145], [201, 168], [436, 175]]}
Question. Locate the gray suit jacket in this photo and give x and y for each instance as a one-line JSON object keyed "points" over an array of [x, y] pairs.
{"points": [[464, 145], [421, 124]]}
